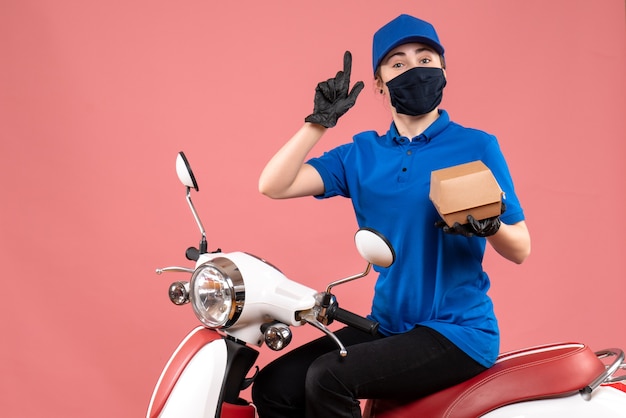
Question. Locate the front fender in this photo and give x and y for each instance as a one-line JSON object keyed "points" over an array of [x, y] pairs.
{"points": [[190, 384]]}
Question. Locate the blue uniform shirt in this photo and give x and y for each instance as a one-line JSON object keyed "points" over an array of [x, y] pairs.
{"points": [[437, 279]]}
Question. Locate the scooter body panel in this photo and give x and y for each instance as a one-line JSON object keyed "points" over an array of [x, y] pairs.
{"points": [[606, 402], [191, 382], [268, 294]]}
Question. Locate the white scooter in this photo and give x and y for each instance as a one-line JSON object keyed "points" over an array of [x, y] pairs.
{"points": [[243, 301]]}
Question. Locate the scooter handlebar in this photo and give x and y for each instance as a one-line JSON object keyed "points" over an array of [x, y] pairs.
{"points": [[355, 321]]}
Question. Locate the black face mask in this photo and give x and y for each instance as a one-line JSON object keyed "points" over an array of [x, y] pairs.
{"points": [[417, 91]]}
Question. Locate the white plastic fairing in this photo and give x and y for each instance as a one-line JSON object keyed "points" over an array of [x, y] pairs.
{"points": [[269, 295], [197, 392], [606, 402]]}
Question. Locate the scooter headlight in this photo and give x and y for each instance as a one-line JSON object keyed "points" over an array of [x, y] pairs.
{"points": [[217, 293]]}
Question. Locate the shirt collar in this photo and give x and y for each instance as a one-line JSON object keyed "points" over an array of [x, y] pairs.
{"points": [[430, 133]]}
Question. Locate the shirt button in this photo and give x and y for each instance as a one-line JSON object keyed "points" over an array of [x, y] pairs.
{"points": [[408, 153], [404, 169]]}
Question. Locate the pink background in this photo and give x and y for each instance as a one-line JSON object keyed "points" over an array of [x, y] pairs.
{"points": [[96, 99]]}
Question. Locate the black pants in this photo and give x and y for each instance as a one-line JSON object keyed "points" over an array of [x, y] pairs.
{"points": [[314, 381]]}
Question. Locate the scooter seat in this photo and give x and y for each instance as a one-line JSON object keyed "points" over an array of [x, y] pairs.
{"points": [[533, 373]]}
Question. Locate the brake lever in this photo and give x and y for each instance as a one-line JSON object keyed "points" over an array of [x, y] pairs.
{"points": [[311, 318], [174, 270]]}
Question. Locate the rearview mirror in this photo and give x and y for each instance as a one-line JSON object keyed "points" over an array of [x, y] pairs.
{"points": [[183, 170], [374, 247]]}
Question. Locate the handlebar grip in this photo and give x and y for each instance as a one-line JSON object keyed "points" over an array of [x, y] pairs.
{"points": [[355, 321]]}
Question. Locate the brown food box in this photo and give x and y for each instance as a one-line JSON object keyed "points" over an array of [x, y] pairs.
{"points": [[465, 189]]}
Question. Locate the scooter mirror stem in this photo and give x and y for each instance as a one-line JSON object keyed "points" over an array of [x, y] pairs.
{"points": [[349, 279], [203, 242]]}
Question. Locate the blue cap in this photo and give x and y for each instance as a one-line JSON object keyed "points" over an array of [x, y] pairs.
{"points": [[401, 30]]}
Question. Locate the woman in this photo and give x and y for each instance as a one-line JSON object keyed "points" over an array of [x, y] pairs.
{"points": [[437, 324]]}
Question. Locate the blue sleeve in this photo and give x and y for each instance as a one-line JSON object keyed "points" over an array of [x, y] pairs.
{"points": [[332, 169]]}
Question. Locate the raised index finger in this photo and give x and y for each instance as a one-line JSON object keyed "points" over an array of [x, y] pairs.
{"points": [[347, 64], [343, 77]]}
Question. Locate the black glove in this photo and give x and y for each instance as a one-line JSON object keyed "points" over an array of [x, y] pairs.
{"points": [[473, 227], [331, 96]]}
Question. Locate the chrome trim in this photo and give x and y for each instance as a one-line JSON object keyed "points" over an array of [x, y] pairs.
{"points": [[233, 275], [174, 270], [349, 279], [618, 378], [195, 214], [178, 293], [311, 318], [610, 369]]}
